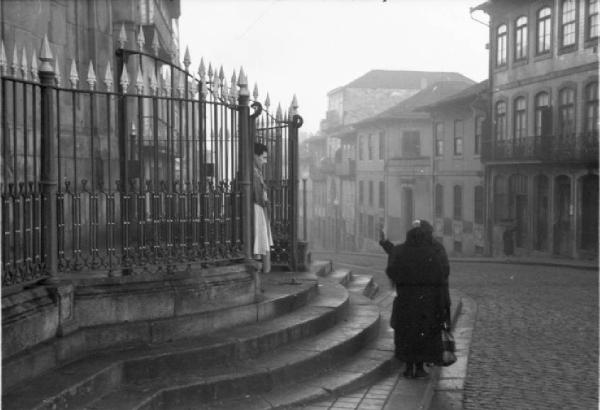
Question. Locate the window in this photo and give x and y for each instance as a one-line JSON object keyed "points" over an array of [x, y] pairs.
{"points": [[438, 130], [411, 144], [567, 23], [361, 148], [459, 130], [566, 111], [501, 37], [479, 205], [500, 120], [542, 102], [544, 29], [478, 134], [439, 200], [361, 192], [458, 202], [381, 194], [521, 38], [520, 118], [381, 145], [370, 193], [591, 107], [370, 147], [591, 28]]}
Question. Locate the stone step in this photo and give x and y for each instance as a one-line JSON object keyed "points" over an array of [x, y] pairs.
{"points": [[279, 298], [355, 282], [77, 383], [374, 362], [309, 357]]}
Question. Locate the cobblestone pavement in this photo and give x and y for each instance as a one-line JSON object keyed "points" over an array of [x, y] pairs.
{"points": [[535, 342]]}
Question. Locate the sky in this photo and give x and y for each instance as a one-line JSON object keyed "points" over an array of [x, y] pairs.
{"points": [[310, 47]]}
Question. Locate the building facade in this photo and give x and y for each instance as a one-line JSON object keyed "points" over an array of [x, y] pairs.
{"points": [[395, 166], [541, 160], [458, 191], [365, 97]]}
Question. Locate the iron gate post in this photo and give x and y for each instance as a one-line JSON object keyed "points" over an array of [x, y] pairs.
{"points": [[246, 164], [49, 159]]}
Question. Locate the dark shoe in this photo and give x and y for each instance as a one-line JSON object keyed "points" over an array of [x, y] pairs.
{"points": [[410, 371], [420, 373]]}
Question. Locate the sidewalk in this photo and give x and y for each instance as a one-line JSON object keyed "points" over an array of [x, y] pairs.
{"points": [[518, 260], [443, 386]]}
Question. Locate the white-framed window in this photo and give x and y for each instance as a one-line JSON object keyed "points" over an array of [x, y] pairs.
{"points": [[591, 20], [541, 103], [501, 42], [500, 128], [521, 38], [566, 111], [568, 23], [459, 132], [520, 117], [591, 107], [438, 131], [544, 30]]}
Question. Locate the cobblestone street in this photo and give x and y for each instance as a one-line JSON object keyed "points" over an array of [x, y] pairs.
{"points": [[535, 343]]}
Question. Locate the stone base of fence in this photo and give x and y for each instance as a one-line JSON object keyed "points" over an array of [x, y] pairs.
{"points": [[56, 323]]}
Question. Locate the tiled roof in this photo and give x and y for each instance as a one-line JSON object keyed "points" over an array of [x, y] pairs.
{"points": [[433, 93], [468, 92], [402, 79]]}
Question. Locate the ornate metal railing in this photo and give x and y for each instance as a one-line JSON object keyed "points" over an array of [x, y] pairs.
{"points": [[548, 148], [152, 175]]}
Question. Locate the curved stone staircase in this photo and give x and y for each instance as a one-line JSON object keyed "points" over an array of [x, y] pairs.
{"points": [[311, 336]]}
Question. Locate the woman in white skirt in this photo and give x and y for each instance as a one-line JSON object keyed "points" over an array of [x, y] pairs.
{"points": [[263, 240]]}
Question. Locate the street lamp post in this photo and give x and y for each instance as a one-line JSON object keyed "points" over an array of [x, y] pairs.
{"points": [[304, 209]]}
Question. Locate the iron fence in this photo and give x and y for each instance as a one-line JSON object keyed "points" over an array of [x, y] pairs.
{"points": [[150, 175]]}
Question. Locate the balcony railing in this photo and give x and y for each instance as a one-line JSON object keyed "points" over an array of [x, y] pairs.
{"points": [[565, 147], [345, 168]]}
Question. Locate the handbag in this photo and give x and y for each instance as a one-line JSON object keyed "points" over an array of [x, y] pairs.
{"points": [[448, 347]]}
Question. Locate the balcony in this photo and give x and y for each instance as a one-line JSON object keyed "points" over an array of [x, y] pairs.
{"points": [[345, 168], [558, 148]]}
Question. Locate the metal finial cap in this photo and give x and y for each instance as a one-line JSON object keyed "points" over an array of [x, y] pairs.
{"points": [[46, 56], [141, 39], [202, 69], [255, 91], [91, 75], [74, 75], [3, 60], [268, 101], [186, 58], [108, 77], [242, 80], [221, 73], [122, 40]]}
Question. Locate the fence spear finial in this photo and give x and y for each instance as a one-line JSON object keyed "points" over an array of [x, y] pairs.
{"points": [[3, 61], [186, 58], [155, 42], [73, 76], [34, 66], [221, 73], [255, 91], [202, 70], [122, 40], [124, 79], [278, 115], [139, 81], [108, 77], [91, 76], [210, 72], [243, 84], [216, 81], [225, 89], [295, 105], [15, 61], [233, 88], [46, 56], [24, 63], [141, 39], [267, 101], [153, 82]]}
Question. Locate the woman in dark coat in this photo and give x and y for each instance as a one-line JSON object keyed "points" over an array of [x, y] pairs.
{"points": [[415, 267]]}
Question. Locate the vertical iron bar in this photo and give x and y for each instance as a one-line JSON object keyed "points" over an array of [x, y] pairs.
{"points": [[246, 169], [48, 169]]}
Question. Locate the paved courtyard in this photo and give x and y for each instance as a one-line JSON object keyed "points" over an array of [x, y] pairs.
{"points": [[535, 342]]}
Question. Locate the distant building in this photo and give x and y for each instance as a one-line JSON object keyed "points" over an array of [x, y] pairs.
{"points": [[394, 171], [458, 192], [365, 97], [541, 160]]}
